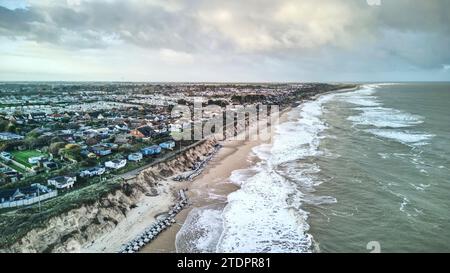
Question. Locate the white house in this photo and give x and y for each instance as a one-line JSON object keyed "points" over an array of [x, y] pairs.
{"points": [[92, 172], [35, 160], [62, 182], [9, 136], [116, 164], [135, 157]]}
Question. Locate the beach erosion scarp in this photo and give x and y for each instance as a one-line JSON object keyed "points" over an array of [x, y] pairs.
{"points": [[116, 218]]}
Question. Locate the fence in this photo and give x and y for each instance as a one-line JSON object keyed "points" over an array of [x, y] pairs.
{"points": [[29, 201]]}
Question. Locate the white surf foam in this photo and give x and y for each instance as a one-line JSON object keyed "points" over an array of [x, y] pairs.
{"points": [[406, 137], [385, 117], [382, 121], [200, 232], [264, 215]]}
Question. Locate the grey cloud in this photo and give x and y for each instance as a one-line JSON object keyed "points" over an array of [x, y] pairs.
{"points": [[412, 31]]}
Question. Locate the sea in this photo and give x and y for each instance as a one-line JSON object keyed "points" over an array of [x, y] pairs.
{"points": [[366, 170]]}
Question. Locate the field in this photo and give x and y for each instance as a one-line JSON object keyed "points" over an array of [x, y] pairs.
{"points": [[22, 156]]}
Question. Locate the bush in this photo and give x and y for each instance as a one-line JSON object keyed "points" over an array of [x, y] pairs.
{"points": [[55, 147]]}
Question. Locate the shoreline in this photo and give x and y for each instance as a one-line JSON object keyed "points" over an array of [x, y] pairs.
{"points": [[213, 186]]}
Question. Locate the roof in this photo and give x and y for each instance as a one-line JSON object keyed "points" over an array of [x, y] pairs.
{"points": [[6, 194], [101, 147], [153, 147], [146, 131], [60, 179], [117, 161]]}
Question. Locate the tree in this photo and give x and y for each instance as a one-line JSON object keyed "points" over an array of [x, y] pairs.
{"points": [[3, 125], [55, 147], [88, 162], [72, 152], [125, 148]]}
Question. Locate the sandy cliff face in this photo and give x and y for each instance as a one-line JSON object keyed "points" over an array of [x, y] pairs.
{"points": [[69, 231]]}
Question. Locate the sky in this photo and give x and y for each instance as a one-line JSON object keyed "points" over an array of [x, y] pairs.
{"points": [[225, 41]]}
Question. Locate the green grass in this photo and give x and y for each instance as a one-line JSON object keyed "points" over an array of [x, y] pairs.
{"points": [[22, 156], [16, 168]]}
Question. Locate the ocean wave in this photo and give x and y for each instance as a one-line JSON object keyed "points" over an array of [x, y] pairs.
{"points": [[264, 215], [258, 218], [405, 137], [201, 231], [382, 121], [385, 117]]}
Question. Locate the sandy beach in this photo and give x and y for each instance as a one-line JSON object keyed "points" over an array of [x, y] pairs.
{"points": [[212, 186], [137, 220]]}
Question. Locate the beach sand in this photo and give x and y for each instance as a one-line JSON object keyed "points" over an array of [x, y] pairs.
{"points": [[212, 186], [136, 221]]}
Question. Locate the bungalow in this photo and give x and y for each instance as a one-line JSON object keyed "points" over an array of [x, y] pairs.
{"points": [[152, 150], [56, 116], [167, 145], [12, 176], [5, 156], [38, 116], [112, 146], [96, 171], [116, 164], [121, 139], [143, 132], [50, 165], [121, 127], [35, 160], [25, 196], [101, 150], [62, 182], [135, 157], [103, 132], [10, 136]]}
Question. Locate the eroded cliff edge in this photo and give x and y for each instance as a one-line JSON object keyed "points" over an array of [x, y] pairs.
{"points": [[70, 230]]}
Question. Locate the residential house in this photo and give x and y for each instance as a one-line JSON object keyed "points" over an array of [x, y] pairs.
{"points": [[121, 139], [116, 164], [56, 116], [11, 176], [5, 156], [50, 165], [96, 171], [35, 160], [167, 145], [25, 196], [135, 157], [112, 146], [122, 127], [62, 182], [101, 150], [103, 132], [10, 136], [143, 132], [152, 150], [37, 116]]}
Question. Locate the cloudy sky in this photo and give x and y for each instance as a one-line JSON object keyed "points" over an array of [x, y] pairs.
{"points": [[233, 40]]}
